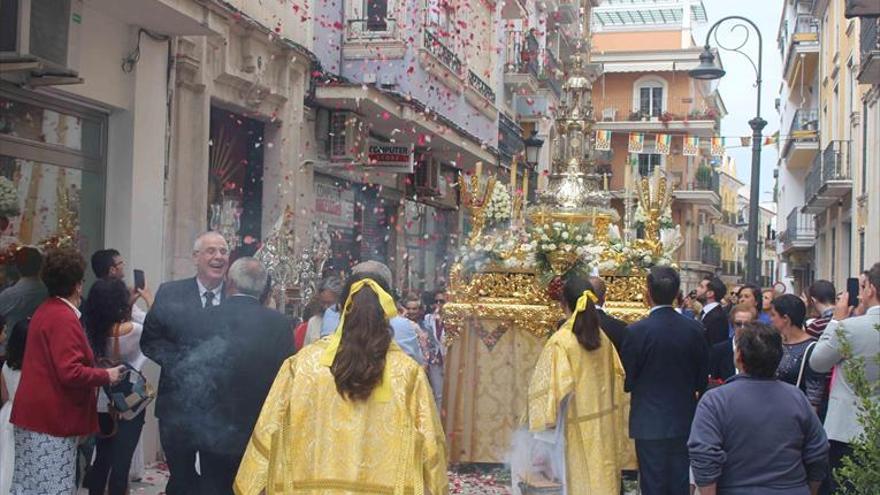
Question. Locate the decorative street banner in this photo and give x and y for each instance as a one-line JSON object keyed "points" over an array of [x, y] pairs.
{"points": [[716, 146], [691, 146], [636, 142], [662, 143], [603, 140]]}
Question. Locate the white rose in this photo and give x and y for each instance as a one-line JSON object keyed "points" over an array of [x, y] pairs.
{"points": [[565, 235]]}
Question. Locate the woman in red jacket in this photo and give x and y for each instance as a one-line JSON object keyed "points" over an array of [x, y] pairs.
{"points": [[56, 401]]}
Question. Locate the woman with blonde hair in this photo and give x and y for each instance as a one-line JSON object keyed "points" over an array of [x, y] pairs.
{"points": [[350, 413]]}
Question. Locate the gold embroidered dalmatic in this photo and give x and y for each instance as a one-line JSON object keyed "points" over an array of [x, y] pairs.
{"points": [[597, 444], [309, 440]]}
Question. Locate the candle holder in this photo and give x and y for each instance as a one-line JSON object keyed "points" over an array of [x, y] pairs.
{"points": [[475, 200]]}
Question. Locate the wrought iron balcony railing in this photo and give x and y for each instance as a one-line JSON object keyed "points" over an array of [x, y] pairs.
{"points": [[481, 86], [832, 165], [522, 53], [800, 230], [710, 254], [435, 46], [869, 46]]}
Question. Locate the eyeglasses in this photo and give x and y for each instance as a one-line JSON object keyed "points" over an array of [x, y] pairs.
{"points": [[740, 324]]}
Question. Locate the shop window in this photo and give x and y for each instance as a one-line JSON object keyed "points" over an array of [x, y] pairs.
{"points": [[51, 174], [235, 181]]}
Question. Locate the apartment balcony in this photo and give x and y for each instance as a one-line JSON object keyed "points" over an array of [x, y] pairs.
{"points": [[480, 95], [802, 144], [440, 60], [731, 268], [710, 253], [510, 138], [869, 46], [702, 190], [862, 8], [800, 50], [829, 179], [799, 233], [671, 115], [551, 74], [366, 37], [521, 62]]}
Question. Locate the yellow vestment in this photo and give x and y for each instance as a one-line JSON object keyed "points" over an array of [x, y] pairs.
{"points": [[309, 440], [597, 444]]}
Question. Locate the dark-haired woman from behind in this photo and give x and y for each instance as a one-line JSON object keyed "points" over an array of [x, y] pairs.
{"points": [[107, 317], [577, 402], [351, 411]]}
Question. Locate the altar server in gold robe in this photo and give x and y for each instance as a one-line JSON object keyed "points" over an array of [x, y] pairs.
{"points": [[576, 396], [351, 413]]}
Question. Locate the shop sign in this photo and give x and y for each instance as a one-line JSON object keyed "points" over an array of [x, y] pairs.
{"points": [[334, 204], [390, 157]]}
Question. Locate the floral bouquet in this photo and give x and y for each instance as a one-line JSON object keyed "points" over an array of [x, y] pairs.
{"points": [[499, 209], [561, 247], [509, 249], [8, 198]]}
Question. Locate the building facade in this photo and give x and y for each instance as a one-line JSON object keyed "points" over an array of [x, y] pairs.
{"points": [[827, 181], [144, 123], [646, 49]]}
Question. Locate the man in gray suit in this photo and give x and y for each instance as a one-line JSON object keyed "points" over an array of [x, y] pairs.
{"points": [[841, 423]]}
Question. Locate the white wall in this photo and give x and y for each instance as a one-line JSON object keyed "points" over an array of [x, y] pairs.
{"points": [[135, 103]]}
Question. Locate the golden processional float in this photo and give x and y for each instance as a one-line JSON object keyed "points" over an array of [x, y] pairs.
{"points": [[501, 311]]}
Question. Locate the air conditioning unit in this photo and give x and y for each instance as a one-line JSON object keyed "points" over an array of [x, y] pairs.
{"points": [[40, 40], [427, 176], [348, 138]]}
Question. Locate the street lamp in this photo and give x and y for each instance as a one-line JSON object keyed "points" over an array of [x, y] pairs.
{"points": [[707, 70], [533, 148]]}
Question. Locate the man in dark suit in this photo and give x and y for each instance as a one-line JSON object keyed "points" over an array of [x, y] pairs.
{"points": [[713, 316], [666, 361], [721, 365], [242, 345], [614, 329], [166, 339]]}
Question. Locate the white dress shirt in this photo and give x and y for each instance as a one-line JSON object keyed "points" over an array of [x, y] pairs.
{"points": [[708, 307], [72, 306], [216, 290], [659, 306]]}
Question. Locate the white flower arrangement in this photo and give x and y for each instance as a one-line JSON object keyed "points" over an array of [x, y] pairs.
{"points": [[499, 209], [640, 217], [9, 206], [507, 248]]}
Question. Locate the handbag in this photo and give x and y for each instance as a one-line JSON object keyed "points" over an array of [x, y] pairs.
{"points": [[807, 352], [131, 395]]}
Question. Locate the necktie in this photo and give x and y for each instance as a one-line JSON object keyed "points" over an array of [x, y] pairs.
{"points": [[209, 299]]}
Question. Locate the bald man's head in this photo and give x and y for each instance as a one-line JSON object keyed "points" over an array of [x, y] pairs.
{"points": [[599, 288]]}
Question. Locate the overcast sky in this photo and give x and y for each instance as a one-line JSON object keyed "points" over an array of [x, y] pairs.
{"points": [[737, 88]]}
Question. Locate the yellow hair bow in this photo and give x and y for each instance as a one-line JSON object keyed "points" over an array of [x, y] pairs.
{"points": [[588, 295], [382, 392]]}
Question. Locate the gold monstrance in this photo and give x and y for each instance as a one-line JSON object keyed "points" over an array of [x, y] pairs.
{"points": [[500, 312]]}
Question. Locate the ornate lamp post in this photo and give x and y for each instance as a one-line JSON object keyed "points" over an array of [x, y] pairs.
{"points": [[707, 70]]}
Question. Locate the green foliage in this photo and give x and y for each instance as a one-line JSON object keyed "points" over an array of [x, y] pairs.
{"points": [[861, 470]]}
